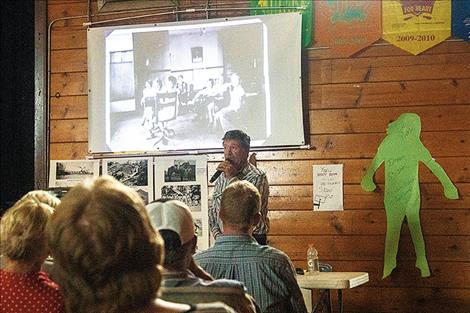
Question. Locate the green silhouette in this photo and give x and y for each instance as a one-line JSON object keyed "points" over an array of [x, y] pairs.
{"points": [[402, 150]]}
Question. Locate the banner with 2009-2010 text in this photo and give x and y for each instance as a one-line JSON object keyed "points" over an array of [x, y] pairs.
{"points": [[416, 25], [261, 7]]}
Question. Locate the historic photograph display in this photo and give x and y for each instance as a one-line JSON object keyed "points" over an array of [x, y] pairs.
{"points": [[184, 178], [189, 194], [136, 173], [181, 170], [67, 173]]}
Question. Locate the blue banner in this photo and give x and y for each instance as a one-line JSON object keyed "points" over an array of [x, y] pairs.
{"points": [[461, 19]]}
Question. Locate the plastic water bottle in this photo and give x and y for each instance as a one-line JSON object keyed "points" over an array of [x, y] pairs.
{"points": [[313, 266]]}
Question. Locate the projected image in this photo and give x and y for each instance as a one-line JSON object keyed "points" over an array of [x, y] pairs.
{"points": [[181, 86], [185, 84]]}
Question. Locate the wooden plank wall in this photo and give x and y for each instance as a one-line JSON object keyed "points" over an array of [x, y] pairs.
{"points": [[350, 102]]}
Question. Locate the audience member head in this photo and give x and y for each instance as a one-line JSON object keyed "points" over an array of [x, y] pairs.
{"points": [[174, 221], [22, 229], [240, 207], [42, 196], [236, 147], [107, 254]]}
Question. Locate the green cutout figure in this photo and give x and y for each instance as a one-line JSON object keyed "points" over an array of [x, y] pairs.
{"points": [[402, 150]]}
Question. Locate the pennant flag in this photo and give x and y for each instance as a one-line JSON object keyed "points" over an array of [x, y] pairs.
{"points": [[347, 26], [275, 6], [416, 25], [461, 19]]}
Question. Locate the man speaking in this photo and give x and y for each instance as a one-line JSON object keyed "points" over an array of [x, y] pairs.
{"points": [[236, 167]]}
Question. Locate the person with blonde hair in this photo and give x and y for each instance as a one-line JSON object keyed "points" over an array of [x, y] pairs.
{"points": [[174, 222], [23, 246], [267, 272], [107, 255]]}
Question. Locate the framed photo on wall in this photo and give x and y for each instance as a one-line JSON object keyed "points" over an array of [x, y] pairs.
{"points": [[196, 54]]}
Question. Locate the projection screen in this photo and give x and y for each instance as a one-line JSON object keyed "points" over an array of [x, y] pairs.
{"points": [[181, 86]]}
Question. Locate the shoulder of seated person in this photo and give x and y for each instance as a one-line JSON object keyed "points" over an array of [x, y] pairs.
{"points": [[226, 283], [214, 307], [279, 254]]}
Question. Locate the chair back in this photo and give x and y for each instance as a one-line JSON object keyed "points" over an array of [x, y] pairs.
{"points": [[167, 106], [231, 296]]}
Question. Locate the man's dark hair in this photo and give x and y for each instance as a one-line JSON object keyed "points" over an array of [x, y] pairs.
{"points": [[239, 135]]}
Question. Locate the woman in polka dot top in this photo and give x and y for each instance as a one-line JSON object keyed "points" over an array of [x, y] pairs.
{"points": [[23, 287]]}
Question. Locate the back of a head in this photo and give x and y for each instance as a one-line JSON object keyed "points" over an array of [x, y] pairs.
{"points": [[240, 202], [22, 227], [173, 219], [42, 196], [106, 253]]}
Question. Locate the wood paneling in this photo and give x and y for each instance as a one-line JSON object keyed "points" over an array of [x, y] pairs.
{"points": [[69, 130], [399, 94], [450, 66], [69, 107], [364, 222], [68, 150], [350, 101], [67, 61], [406, 300], [383, 48], [435, 118], [69, 38], [68, 84], [370, 247]]}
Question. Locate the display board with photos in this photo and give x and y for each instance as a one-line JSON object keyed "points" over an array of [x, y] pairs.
{"points": [[181, 178]]}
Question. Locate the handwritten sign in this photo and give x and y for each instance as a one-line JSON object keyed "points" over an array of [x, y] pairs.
{"points": [[328, 187]]}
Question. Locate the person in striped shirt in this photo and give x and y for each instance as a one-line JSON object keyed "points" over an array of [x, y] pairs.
{"points": [[236, 167], [267, 272]]}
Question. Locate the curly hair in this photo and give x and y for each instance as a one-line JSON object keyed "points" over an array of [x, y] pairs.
{"points": [[106, 253], [22, 227]]}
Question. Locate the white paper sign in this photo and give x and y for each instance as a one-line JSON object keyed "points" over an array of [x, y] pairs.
{"points": [[328, 187]]}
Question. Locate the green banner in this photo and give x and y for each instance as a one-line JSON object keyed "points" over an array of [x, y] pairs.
{"points": [[285, 6]]}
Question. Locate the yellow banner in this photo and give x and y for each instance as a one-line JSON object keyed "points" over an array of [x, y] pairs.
{"points": [[416, 25]]}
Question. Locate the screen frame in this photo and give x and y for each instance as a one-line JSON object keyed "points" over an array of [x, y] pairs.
{"points": [[97, 73]]}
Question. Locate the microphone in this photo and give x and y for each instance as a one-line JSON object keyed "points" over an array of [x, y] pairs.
{"points": [[217, 173], [215, 176]]}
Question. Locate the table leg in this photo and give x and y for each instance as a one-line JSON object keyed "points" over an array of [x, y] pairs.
{"points": [[340, 300]]}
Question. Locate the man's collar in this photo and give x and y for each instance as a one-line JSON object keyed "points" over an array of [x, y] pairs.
{"points": [[234, 238]]}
